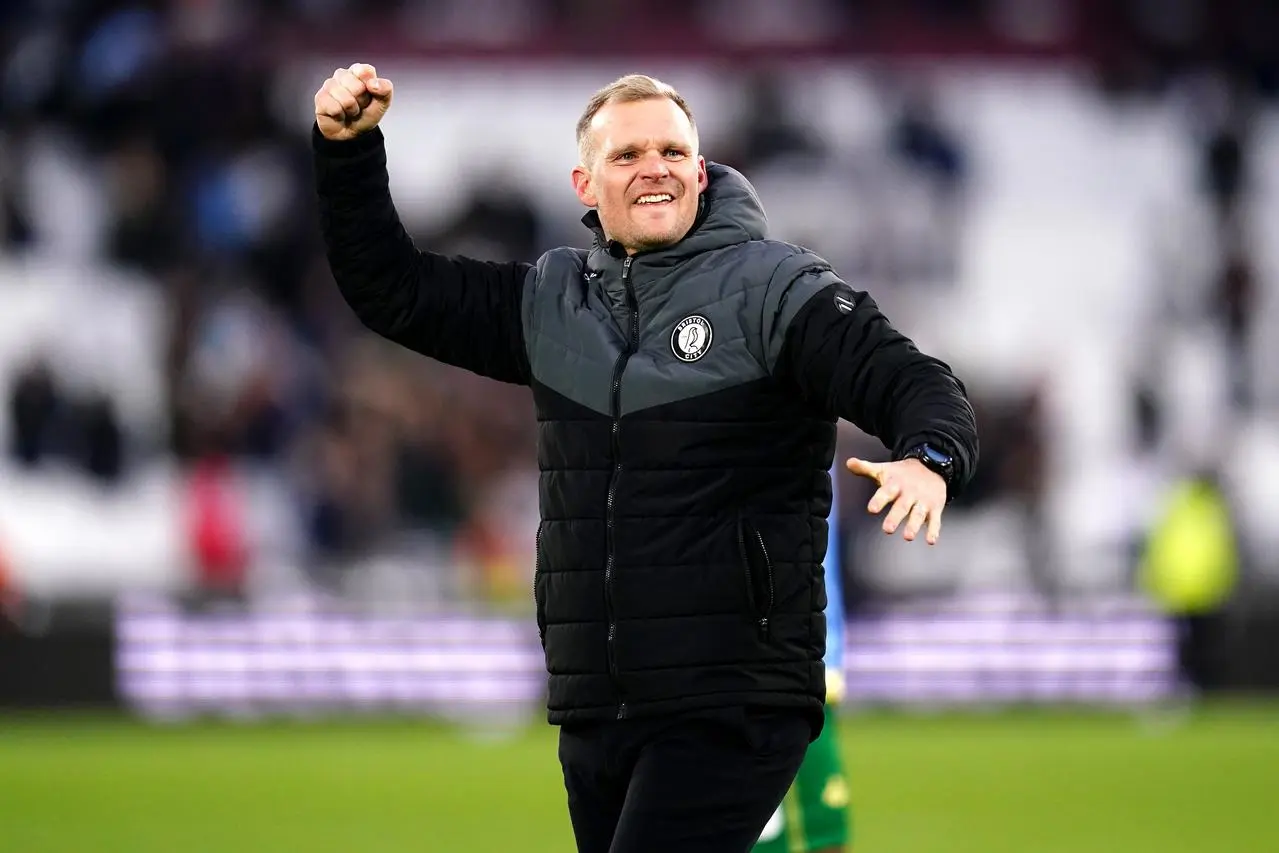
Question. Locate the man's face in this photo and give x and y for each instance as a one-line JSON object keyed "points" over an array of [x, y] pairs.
{"points": [[645, 175]]}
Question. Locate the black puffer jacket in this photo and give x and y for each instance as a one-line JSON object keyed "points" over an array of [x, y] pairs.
{"points": [[687, 401]]}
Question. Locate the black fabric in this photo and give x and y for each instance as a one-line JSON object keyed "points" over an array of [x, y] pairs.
{"points": [[679, 783], [460, 311], [715, 593], [854, 364]]}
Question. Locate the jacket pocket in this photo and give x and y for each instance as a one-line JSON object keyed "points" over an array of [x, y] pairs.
{"points": [[758, 569], [539, 598]]}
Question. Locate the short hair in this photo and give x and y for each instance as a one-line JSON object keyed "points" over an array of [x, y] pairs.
{"points": [[623, 90]]}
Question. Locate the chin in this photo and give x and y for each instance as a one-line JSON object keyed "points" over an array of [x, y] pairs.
{"points": [[649, 242], [664, 237]]}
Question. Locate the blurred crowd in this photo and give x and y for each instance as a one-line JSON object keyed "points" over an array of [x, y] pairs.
{"points": [[171, 111]]}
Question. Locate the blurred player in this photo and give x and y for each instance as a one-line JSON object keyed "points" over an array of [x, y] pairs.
{"points": [[814, 817]]}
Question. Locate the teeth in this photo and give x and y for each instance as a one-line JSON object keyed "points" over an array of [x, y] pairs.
{"points": [[653, 199]]}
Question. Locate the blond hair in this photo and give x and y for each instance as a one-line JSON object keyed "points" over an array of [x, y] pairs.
{"points": [[624, 90]]}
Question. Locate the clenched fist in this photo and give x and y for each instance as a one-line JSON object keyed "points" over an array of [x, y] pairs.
{"points": [[351, 102]]}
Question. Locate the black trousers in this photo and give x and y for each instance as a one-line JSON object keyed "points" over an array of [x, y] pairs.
{"points": [[703, 780]]}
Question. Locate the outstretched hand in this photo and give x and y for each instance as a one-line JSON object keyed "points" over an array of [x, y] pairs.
{"points": [[917, 495]]}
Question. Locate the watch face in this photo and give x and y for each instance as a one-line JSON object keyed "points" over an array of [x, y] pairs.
{"points": [[936, 456]]}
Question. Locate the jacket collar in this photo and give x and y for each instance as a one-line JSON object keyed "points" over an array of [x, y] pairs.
{"points": [[729, 212]]}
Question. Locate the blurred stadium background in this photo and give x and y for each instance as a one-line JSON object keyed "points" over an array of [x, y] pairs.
{"points": [[264, 581]]}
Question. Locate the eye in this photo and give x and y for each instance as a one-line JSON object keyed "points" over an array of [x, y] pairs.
{"points": [[674, 153], [626, 156]]}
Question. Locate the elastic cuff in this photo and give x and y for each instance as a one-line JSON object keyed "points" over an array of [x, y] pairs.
{"points": [[339, 149]]}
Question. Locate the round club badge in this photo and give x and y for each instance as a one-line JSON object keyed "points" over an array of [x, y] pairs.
{"points": [[691, 338]]}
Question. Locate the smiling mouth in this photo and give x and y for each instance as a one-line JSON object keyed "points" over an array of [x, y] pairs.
{"points": [[655, 199]]}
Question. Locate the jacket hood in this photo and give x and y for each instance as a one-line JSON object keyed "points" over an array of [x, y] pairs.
{"points": [[729, 212]]}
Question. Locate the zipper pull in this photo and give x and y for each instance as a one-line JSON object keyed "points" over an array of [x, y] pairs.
{"points": [[763, 626], [626, 267]]}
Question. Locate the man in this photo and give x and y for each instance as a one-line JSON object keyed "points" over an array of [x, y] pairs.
{"points": [[684, 476], [814, 815]]}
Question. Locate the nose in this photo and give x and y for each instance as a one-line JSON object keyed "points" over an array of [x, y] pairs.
{"points": [[655, 166]]}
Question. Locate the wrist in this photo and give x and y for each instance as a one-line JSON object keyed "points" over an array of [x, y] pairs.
{"points": [[934, 458]]}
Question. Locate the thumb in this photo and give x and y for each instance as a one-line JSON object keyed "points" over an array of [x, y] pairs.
{"points": [[862, 468], [379, 88]]}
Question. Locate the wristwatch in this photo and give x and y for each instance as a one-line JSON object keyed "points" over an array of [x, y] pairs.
{"points": [[937, 461]]}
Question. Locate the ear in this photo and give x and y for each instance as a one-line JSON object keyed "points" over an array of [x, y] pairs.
{"points": [[703, 179], [582, 186]]}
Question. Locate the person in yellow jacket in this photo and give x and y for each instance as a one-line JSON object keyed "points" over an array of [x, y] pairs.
{"points": [[1190, 568]]}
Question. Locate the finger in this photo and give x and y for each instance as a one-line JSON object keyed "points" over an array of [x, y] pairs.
{"points": [[883, 496], [934, 526], [339, 86], [344, 78], [898, 513], [862, 468], [916, 520], [363, 82], [380, 87], [345, 98], [329, 106]]}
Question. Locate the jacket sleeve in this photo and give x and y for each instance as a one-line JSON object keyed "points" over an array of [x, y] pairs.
{"points": [[460, 311], [840, 353]]}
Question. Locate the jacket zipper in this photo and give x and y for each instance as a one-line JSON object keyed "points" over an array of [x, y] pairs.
{"points": [[616, 401], [761, 620], [537, 575], [768, 576]]}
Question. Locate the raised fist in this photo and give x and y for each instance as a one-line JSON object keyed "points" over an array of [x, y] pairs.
{"points": [[351, 102]]}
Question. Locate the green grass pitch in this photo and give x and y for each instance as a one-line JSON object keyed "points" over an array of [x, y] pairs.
{"points": [[1028, 781]]}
